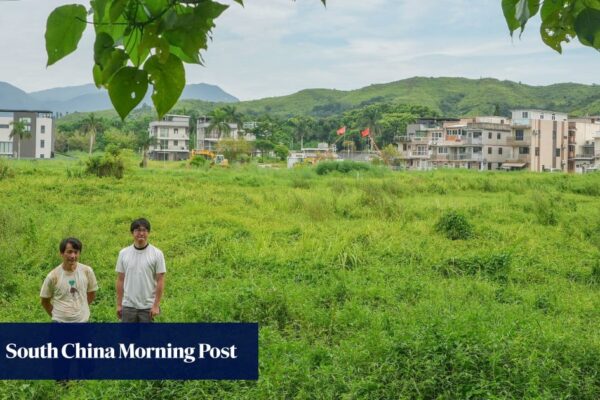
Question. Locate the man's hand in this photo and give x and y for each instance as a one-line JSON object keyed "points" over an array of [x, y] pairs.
{"points": [[154, 311], [120, 312]]}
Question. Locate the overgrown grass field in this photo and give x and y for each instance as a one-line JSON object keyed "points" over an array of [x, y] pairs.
{"points": [[358, 290]]}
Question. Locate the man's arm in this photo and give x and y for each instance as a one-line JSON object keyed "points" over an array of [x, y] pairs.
{"points": [[47, 305], [119, 284], [160, 286], [90, 297]]}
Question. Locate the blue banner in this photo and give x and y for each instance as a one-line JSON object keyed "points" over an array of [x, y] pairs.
{"points": [[129, 351]]}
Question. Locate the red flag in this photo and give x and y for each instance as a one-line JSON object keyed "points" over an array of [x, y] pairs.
{"points": [[341, 131], [365, 133]]}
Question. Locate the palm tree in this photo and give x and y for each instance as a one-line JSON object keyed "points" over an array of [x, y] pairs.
{"points": [[301, 126], [371, 117], [92, 125], [145, 141], [219, 122], [234, 117], [19, 130]]}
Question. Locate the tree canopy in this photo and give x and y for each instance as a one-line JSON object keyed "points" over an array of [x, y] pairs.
{"points": [[139, 43]]}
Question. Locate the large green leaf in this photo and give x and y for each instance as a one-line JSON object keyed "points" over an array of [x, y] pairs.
{"points": [[509, 8], [117, 60], [127, 89], [103, 46], [525, 9], [64, 28], [116, 9], [168, 79], [189, 30], [587, 26], [155, 7]]}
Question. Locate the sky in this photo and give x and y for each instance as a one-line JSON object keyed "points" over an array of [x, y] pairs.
{"points": [[278, 47]]}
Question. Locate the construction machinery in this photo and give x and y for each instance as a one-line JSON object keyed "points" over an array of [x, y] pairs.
{"points": [[214, 158]]}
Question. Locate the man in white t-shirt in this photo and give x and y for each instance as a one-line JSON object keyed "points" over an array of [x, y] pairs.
{"points": [[69, 288], [140, 277]]}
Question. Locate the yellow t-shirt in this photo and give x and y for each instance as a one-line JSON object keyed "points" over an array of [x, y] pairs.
{"points": [[68, 292]]}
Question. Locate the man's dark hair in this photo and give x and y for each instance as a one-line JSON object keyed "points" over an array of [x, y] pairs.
{"points": [[75, 244], [140, 223]]}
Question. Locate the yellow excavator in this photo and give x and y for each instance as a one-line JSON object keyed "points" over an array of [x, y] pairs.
{"points": [[215, 159]]}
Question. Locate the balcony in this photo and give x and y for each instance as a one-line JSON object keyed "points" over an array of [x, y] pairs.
{"points": [[413, 139], [584, 157], [513, 141], [521, 123], [415, 154], [466, 157]]}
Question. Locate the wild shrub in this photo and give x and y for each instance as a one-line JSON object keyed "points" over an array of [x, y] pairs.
{"points": [[454, 226], [491, 265], [107, 165], [326, 167], [5, 170], [198, 162], [545, 212]]}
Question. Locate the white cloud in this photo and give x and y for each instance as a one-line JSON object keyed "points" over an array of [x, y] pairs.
{"points": [[275, 47]]}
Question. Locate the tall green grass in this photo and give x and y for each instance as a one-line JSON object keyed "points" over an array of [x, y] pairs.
{"points": [[357, 292]]}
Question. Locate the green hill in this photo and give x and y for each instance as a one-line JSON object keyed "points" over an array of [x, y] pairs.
{"points": [[452, 97]]}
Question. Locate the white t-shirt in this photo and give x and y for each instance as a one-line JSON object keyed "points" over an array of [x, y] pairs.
{"points": [[68, 292], [140, 268]]}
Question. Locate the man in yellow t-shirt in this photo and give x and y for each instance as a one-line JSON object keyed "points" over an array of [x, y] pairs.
{"points": [[69, 288]]}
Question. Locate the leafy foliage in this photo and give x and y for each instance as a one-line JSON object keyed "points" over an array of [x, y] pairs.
{"points": [[326, 167], [454, 226], [110, 164], [562, 20]]}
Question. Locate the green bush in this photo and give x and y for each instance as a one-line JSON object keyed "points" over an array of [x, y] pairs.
{"points": [[198, 161], [5, 170], [325, 167], [491, 265], [109, 164], [454, 226]]}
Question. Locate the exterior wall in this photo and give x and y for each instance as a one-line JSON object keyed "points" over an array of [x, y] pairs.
{"points": [[583, 144], [206, 140], [173, 138], [6, 143], [545, 137], [43, 132]]}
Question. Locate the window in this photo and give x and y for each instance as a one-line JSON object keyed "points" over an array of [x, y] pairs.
{"points": [[537, 151], [163, 132], [42, 143], [525, 114], [554, 135], [553, 117], [164, 144], [176, 131], [175, 142], [498, 135], [499, 150], [489, 150], [490, 166], [443, 150], [6, 148], [523, 150], [477, 150], [3, 126], [541, 116], [41, 155], [43, 129], [557, 152], [489, 135], [519, 134]]}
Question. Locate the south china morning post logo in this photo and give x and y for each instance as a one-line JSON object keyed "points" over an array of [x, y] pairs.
{"points": [[129, 351], [78, 351]]}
